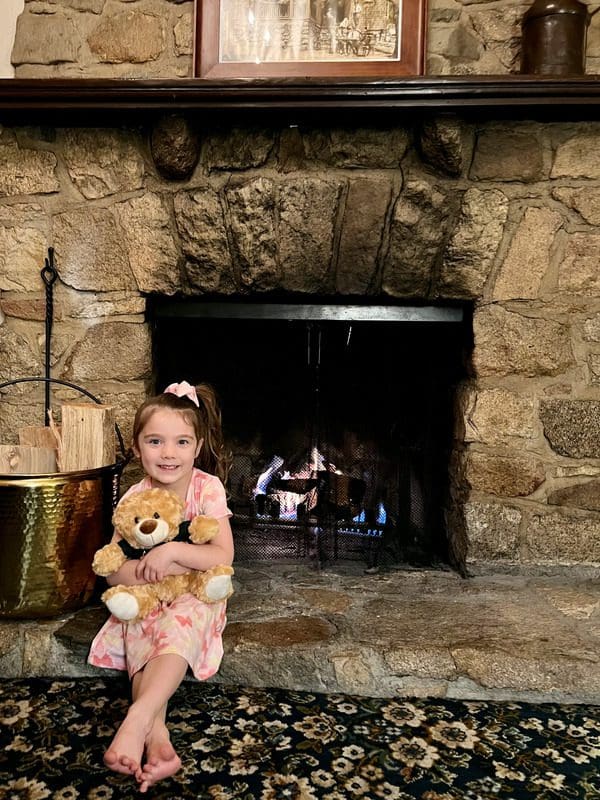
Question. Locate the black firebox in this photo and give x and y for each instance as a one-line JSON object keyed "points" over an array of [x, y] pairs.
{"points": [[339, 417]]}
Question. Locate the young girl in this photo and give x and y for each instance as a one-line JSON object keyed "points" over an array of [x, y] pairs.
{"points": [[171, 433]]}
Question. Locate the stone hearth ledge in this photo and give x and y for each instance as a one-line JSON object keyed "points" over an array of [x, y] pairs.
{"points": [[400, 632]]}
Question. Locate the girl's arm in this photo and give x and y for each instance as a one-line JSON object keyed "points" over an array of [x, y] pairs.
{"points": [[175, 558], [125, 575]]}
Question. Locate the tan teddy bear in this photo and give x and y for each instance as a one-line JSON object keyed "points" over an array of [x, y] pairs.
{"points": [[146, 519]]}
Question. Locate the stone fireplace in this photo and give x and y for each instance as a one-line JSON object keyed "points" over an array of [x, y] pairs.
{"points": [[496, 216]]}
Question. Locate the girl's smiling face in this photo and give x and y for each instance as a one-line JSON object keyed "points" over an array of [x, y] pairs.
{"points": [[167, 447]]}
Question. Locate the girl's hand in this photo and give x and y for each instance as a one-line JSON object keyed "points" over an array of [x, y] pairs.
{"points": [[157, 563]]}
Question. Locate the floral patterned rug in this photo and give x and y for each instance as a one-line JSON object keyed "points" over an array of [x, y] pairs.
{"points": [[267, 744]]}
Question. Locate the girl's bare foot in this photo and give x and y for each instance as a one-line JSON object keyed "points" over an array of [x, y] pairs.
{"points": [[125, 751], [119, 763], [161, 759]]}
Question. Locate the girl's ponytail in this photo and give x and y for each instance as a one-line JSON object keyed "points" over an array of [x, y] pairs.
{"points": [[213, 458]]}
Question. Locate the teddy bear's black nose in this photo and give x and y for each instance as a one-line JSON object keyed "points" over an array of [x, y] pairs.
{"points": [[148, 526]]}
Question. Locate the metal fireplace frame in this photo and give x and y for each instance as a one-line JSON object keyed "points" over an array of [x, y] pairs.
{"points": [[257, 309]]}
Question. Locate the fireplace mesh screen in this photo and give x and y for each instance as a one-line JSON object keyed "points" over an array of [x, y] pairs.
{"points": [[330, 514]]}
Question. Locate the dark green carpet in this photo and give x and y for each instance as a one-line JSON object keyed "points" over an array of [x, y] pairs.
{"points": [[267, 744]]}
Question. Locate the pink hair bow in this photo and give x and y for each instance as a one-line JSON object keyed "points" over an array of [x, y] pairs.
{"points": [[183, 389]]}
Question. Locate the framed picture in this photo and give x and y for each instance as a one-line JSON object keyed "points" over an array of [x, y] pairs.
{"points": [[309, 38]]}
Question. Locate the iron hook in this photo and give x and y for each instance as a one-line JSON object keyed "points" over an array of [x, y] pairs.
{"points": [[48, 272]]}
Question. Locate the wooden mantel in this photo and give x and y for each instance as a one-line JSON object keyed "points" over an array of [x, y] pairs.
{"points": [[52, 101]]}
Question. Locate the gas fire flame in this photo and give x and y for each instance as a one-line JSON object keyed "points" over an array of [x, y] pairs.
{"points": [[283, 505]]}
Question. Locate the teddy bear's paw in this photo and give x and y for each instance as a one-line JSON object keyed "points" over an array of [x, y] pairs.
{"points": [[218, 587], [203, 529], [123, 605]]}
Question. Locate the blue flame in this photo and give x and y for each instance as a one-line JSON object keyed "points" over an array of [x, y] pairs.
{"points": [[265, 478]]}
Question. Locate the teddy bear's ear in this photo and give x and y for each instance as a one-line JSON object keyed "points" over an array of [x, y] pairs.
{"points": [[125, 512], [117, 515]]}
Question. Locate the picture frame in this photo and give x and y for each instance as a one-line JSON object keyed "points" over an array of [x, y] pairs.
{"points": [[280, 39]]}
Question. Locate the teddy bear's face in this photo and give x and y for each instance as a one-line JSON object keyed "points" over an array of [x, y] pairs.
{"points": [[149, 517]]}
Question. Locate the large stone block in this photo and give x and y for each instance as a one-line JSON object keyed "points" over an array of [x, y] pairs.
{"points": [[175, 146], [237, 149], [22, 252], [504, 476], [200, 221], [499, 29], [128, 37], [18, 358], [366, 207], [578, 267], [151, 247], [308, 209], [358, 147], [102, 162], [494, 416], [561, 538], [578, 495], [473, 244], [508, 153], [445, 143], [111, 351], [572, 427], [184, 35], [95, 305], [45, 39], [22, 404], [531, 245], [507, 343], [26, 170], [420, 220], [493, 532], [91, 251], [579, 155], [254, 233], [585, 201]]}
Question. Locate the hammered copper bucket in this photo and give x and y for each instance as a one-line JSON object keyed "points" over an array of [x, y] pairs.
{"points": [[50, 527]]}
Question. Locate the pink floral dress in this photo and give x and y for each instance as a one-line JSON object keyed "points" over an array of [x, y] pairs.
{"points": [[186, 626]]}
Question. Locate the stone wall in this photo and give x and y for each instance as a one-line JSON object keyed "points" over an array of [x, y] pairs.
{"points": [[503, 216], [154, 38]]}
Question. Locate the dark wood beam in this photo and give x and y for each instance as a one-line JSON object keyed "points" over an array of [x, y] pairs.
{"points": [[506, 95]]}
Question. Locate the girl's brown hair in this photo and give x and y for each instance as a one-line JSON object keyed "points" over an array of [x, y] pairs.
{"points": [[205, 420]]}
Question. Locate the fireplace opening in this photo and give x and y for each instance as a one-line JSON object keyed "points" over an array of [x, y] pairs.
{"points": [[339, 419]]}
